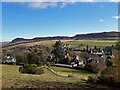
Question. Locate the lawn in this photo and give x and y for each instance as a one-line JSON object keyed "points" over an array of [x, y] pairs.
{"points": [[12, 78], [73, 71]]}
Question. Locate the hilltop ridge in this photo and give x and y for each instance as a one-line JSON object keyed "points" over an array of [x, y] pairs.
{"points": [[102, 35]]}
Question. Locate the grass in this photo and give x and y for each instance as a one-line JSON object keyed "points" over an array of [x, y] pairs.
{"points": [[73, 71], [92, 43], [12, 78], [75, 43]]}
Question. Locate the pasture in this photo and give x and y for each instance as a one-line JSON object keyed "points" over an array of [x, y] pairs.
{"points": [[11, 77], [78, 72], [74, 43]]}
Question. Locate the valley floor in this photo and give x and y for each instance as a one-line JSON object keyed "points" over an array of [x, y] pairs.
{"points": [[11, 78]]}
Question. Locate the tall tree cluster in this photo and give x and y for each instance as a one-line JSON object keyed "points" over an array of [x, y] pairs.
{"points": [[58, 52], [36, 56]]}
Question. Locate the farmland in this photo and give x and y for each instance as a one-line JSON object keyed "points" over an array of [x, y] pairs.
{"points": [[74, 43]]}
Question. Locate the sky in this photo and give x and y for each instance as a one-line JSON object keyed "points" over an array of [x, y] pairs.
{"points": [[41, 19]]}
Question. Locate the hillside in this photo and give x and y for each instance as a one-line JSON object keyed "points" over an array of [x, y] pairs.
{"points": [[102, 36]]}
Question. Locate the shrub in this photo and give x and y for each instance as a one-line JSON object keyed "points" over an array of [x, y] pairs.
{"points": [[52, 63], [34, 65], [108, 77], [107, 71], [109, 80], [30, 69], [109, 63], [48, 64], [13, 63], [96, 65], [92, 79]]}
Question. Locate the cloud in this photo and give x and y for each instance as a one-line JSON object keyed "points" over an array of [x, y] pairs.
{"points": [[77, 33], [116, 17], [42, 5], [114, 0], [60, 0], [63, 5], [101, 20]]}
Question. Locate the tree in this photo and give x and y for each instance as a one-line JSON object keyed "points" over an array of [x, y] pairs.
{"points": [[36, 56], [109, 63], [4, 54], [67, 59], [41, 59], [116, 62], [87, 48], [99, 49], [95, 47], [20, 58], [59, 52], [83, 49], [97, 65]]}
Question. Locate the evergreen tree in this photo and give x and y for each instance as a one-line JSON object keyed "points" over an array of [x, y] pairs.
{"points": [[95, 47], [99, 50], [87, 48], [36, 57], [41, 59], [59, 52]]}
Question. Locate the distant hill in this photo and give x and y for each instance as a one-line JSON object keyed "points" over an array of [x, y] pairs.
{"points": [[103, 36]]}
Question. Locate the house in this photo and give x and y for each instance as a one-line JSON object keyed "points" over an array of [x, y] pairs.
{"points": [[66, 45], [10, 60], [76, 61], [89, 60], [49, 58], [109, 55], [99, 53]]}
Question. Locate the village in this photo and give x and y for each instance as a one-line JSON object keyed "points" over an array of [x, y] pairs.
{"points": [[80, 58]]}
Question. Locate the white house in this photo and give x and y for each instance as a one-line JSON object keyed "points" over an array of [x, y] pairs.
{"points": [[9, 59], [76, 61]]}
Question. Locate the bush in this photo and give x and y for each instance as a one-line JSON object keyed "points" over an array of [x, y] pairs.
{"points": [[109, 80], [109, 63], [30, 69], [52, 63], [48, 64], [108, 77], [34, 65], [96, 65], [92, 79], [107, 71], [13, 63]]}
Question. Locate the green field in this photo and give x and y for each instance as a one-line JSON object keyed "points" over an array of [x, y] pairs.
{"points": [[12, 78], [74, 43], [73, 71], [92, 43]]}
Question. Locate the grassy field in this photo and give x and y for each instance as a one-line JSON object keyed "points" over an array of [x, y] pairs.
{"points": [[74, 43], [73, 71], [12, 78], [92, 43]]}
